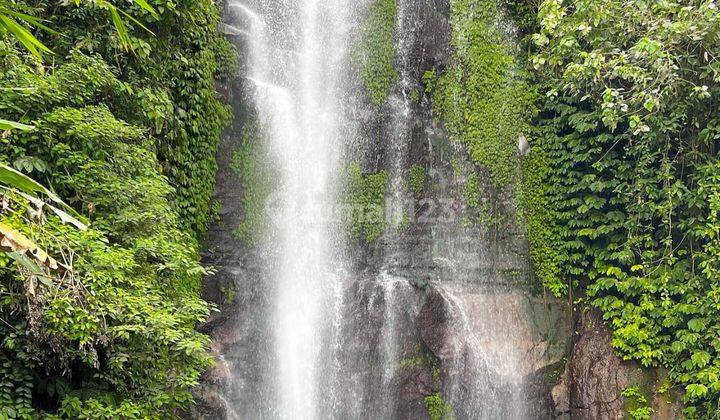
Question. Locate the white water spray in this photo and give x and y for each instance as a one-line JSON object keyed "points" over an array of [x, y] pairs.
{"points": [[296, 56]]}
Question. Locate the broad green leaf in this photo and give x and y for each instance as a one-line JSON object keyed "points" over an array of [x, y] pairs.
{"points": [[696, 324], [24, 36], [26, 262], [67, 218], [696, 390], [17, 180], [12, 125], [146, 6], [700, 359]]}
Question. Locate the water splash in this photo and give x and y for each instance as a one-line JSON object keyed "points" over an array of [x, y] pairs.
{"points": [[255, 18], [232, 30]]}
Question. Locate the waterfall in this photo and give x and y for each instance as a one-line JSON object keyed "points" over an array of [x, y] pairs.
{"points": [[331, 329], [296, 59], [399, 205]]}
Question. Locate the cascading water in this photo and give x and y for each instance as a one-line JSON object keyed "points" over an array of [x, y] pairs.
{"points": [[328, 334], [296, 58], [399, 206]]}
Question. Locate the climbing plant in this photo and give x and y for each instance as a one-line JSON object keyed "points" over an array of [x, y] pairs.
{"points": [[628, 132]]}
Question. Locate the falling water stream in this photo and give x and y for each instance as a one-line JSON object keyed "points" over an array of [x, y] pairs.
{"points": [[296, 61], [296, 76]]}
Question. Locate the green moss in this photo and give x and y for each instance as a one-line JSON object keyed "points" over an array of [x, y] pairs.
{"points": [[414, 96], [366, 199], [482, 98], [228, 293], [404, 224], [637, 403], [250, 163], [430, 80], [456, 166], [553, 375], [438, 408], [485, 102], [376, 50], [472, 190], [418, 175], [664, 387], [435, 372], [543, 234], [426, 360], [412, 362]]}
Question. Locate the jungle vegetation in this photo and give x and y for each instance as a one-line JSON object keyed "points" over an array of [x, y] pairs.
{"points": [[109, 122]]}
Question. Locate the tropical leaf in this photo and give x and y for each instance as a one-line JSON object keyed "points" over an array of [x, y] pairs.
{"points": [[143, 4], [63, 215], [17, 180], [23, 36], [137, 22], [119, 24], [12, 125], [27, 18], [120, 27]]}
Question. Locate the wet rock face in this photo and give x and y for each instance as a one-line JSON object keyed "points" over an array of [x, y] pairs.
{"points": [[385, 367], [595, 375], [496, 347], [435, 324], [594, 379]]}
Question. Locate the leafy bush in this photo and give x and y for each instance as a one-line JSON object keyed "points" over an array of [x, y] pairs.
{"points": [[100, 322], [630, 130], [170, 78]]}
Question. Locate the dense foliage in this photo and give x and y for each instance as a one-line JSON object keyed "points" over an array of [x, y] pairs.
{"points": [[99, 321], [629, 126], [619, 191], [172, 72]]}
